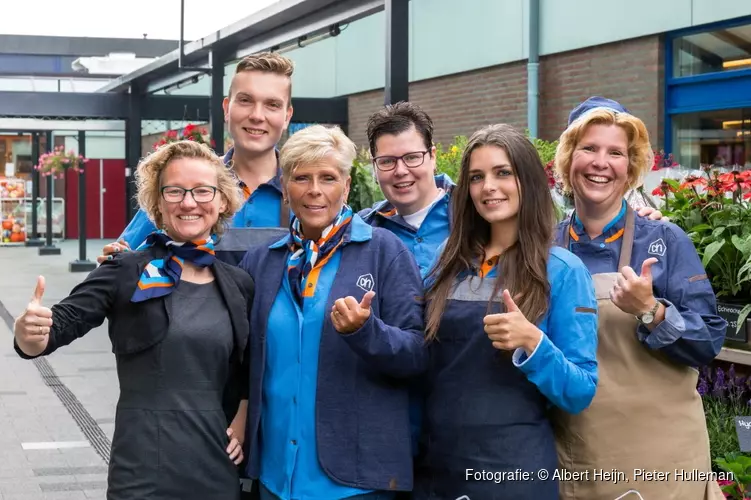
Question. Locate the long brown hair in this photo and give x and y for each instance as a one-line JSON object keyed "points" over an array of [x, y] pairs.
{"points": [[522, 267]]}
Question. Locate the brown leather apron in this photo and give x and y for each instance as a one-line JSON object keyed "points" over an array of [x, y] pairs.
{"points": [[646, 416]]}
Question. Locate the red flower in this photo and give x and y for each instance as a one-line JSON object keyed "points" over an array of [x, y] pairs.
{"points": [[693, 181]]}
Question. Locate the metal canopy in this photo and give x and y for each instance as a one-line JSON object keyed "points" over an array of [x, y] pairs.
{"points": [[82, 46], [80, 105], [275, 25]]}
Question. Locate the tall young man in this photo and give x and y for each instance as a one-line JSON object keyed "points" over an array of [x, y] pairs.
{"points": [[257, 110], [416, 207]]}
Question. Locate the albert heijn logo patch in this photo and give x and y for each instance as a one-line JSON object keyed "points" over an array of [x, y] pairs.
{"points": [[366, 282], [657, 247]]}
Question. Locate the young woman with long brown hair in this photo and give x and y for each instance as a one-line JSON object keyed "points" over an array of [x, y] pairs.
{"points": [[512, 322]]}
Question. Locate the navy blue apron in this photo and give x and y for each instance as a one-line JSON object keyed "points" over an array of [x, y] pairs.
{"points": [[485, 424]]}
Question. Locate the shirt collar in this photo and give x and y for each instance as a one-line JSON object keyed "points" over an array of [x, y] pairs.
{"points": [[610, 229], [275, 182], [386, 209]]}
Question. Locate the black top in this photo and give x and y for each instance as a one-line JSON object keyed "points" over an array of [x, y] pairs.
{"points": [[134, 327]]}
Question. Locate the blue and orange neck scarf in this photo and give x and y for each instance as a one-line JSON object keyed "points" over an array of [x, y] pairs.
{"points": [[161, 276], [308, 255]]}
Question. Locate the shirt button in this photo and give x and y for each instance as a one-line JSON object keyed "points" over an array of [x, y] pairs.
{"points": [[419, 239], [294, 400], [602, 245], [294, 442]]}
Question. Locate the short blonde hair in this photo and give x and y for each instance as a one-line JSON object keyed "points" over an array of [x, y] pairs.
{"points": [[149, 180], [315, 143], [640, 154], [267, 62]]}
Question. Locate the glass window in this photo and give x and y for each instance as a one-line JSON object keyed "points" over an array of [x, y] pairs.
{"points": [[720, 138], [711, 52]]}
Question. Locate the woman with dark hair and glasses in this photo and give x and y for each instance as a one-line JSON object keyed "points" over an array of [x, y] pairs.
{"points": [[178, 322], [512, 330]]}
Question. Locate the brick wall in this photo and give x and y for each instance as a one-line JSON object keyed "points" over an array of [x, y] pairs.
{"points": [[630, 72]]}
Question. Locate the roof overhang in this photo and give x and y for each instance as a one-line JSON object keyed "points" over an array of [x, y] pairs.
{"points": [[278, 24]]}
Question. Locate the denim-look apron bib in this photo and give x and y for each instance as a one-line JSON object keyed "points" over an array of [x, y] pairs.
{"points": [[482, 418]]}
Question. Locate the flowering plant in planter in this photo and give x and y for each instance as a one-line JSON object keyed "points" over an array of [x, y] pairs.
{"points": [[191, 132], [713, 210], [56, 162]]}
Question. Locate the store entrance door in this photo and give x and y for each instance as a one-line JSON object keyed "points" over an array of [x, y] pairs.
{"points": [[105, 200]]}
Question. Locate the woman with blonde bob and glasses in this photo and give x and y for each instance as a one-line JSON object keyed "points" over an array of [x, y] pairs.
{"points": [[512, 322], [178, 322], [341, 326], [658, 321]]}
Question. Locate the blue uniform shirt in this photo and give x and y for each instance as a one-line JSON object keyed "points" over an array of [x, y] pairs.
{"points": [[422, 242], [261, 209], [289, 455], [692, 332], [563, 366]]}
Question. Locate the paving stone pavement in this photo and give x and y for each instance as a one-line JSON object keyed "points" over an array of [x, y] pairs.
{"points": [[38, 399]]}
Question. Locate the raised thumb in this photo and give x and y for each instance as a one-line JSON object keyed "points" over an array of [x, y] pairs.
{"points": [[39, 290], [646, 267], [509, 302], [367, 300]]}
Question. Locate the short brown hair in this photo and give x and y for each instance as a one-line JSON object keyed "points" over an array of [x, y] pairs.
{"points": [[267, 62], [397, 118], [149, 178]]}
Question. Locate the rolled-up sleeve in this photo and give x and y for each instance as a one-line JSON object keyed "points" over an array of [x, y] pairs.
{"points": [[692, 332], [564, 364]]}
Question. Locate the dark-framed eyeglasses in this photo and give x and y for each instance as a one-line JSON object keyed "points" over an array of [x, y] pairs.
{"points": [[410, 160], [176, 194]]}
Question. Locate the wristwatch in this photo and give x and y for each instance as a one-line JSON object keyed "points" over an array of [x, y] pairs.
{"points": [[649, 316]]}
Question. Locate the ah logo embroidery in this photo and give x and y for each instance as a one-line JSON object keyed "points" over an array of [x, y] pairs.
{"points": [[366, 282], [657, 247]]}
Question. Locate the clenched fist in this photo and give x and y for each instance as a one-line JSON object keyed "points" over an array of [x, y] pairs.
{"points": [[348, 315]]}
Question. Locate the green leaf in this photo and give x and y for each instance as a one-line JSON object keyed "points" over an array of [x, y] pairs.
{"points": [[701, 228], [742, 317], [718, 232], [711, 250]]}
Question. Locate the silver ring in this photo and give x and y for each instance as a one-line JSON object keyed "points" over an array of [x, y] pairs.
{"points": [[41, 329]]}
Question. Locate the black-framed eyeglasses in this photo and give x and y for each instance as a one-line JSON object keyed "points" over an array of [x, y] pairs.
{"points": [[411, 160], [176, 194]]}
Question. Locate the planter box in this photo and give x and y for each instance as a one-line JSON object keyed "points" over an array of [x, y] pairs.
{"points": [[730, 313]]}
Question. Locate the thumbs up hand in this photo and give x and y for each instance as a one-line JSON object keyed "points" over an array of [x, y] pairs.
{"points": [[33, 325], [511, 330], [632, 293], [348, 315]]}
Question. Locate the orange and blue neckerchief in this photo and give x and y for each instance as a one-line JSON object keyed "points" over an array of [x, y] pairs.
{"points": [[161, 275], [308, 254]]}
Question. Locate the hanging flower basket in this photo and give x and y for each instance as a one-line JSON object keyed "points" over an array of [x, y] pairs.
{"points": [[191, 132], [58, 161]]}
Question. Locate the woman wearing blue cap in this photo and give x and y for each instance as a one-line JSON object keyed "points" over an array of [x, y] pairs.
{"points": [[658, 322]]}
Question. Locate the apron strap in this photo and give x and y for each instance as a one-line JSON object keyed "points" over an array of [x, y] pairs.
{"points": [[628, 237]]}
